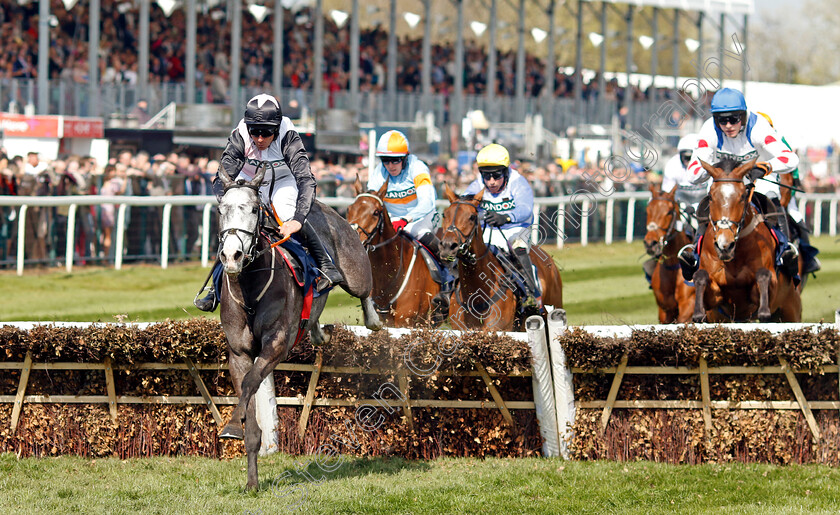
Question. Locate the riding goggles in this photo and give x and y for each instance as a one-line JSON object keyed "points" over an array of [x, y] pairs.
{"points": [[391, 160], [731, 118], [493, 173], [685, 157], [264, 132]]}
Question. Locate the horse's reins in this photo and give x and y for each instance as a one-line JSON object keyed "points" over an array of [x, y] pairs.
{"points": [[464, 241], [370, 248], [463, 246], [725, 223], [672, 225]]}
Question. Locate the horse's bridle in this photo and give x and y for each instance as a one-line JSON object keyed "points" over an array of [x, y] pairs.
{"points": [[377, 229], [464, 240], [236, 231], [725, 223], [672, 225]]}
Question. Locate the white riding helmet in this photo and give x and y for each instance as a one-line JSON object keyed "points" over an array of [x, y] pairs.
{"points": [[688, 142]]}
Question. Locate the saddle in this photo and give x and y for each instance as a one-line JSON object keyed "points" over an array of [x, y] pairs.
{"points": [[440, 273]]}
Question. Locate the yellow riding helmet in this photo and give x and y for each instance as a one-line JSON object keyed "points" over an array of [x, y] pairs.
{"points": [[493, 156], [766, 117], [392, 144]]}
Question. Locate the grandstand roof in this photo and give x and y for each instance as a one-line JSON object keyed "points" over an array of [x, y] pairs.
{"points": [[726, 6]]}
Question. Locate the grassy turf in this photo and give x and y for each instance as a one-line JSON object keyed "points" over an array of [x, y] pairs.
{"points": [[603, 284], [197, 485]]}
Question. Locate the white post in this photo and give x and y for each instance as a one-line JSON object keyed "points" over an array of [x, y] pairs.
{"points": [[371, 151], [71, 238], [205, 235], [802, 204], [631, 219], [584, 223], [608, 236], [564, 392], [543, 386], [832, 218], [164, 236], [21, 235], [118, 248], [535, 227], [561, 224], [817, 217]]}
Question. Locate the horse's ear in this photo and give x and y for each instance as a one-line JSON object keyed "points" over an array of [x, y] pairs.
{"points": [[478, 196], [673, 191], [742, 170], [383, 190], [258, 177], [711, 170], [654, 190], [449, 193], [357, 185]]}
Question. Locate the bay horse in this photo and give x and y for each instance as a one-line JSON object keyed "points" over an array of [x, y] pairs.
{"points": [[403, 287], [484, 297], [674, 298], [262, 303], [737, 279]]}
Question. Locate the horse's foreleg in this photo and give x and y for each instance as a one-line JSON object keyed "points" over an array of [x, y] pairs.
{"points": [[762, 278], [253, 440], [372, 320], [240, 364], [701, 282]]}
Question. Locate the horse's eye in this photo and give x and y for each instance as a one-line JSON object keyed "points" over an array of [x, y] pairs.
{"points": [[472, 218]]}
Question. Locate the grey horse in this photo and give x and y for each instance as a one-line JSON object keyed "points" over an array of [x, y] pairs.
{"points": [[261, 303]]}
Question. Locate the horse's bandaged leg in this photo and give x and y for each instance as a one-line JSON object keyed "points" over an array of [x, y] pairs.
{"points": [[266, 408]]}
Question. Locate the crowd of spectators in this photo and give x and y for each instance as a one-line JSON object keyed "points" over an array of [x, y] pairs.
{"points": [[68, 54], [139, 174]]}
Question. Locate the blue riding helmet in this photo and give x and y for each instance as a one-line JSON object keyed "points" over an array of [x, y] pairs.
{"points": [[728, 100]]}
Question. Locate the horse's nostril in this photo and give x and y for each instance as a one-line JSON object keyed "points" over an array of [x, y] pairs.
{"points": [[237, 255]]}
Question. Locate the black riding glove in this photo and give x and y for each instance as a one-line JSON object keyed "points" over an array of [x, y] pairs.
{"points": [[218, 189], [759, 171], [495, 219]]}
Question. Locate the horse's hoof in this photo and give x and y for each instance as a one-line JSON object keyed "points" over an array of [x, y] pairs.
{"points": [[232, 431], [374, 325], [764, 317], [251, 486], [698, 319]]}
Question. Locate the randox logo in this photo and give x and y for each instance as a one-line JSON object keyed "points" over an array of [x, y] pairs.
{"points": [[401, 194], [277, 164], [504, 205], [721, 155]]}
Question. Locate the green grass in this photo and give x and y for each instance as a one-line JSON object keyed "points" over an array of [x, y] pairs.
{"points": [[383, 485], [602, 285]]}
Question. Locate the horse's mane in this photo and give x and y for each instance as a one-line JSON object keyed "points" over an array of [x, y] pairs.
{"points": [[727, 164]]}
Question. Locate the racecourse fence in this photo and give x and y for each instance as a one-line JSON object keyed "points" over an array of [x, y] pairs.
{"points": [[553, 383], [164, 229]]}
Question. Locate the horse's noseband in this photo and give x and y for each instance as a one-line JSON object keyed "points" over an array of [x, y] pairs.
{"points": [[464, 240], [250, 254]]}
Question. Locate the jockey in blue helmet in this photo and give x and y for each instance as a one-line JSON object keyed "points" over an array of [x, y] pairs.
{"points": [[734, 132]]}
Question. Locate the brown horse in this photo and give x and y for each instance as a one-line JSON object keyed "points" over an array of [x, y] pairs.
{"points": [[663, 241], [484, 298], [403, 287], [737, 279]]}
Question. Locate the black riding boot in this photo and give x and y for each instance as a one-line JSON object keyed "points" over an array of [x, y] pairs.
{"points": [[649, 266], [440, 302], [790, 255], [688, 255], [329, 273], [527, 270], [210, 301], [809, 253]]}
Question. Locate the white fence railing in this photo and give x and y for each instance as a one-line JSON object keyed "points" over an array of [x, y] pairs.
{"points": [[568, 214]]}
